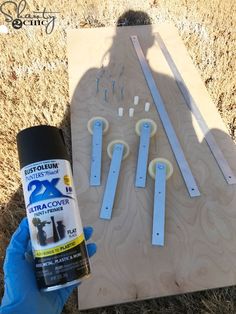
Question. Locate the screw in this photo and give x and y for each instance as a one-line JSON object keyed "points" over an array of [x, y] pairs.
{"points": [[122, 93], [113, 86], [105, 94], [97, 123], [97, 85]]}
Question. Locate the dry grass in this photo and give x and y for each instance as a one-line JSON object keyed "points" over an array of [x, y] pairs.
{"points": [[34, 90]]}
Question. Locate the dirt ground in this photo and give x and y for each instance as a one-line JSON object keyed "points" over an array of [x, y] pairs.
{"points": [[34, 90]]}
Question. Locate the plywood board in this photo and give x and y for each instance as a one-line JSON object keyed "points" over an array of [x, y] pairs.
{"points": [[200, 239]]}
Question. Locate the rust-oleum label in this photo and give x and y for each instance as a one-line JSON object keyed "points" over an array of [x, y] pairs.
{"points": [[55, 226]]}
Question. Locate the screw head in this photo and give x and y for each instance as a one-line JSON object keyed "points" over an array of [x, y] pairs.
{"points": [[146, 125], [97, 123], [118, 147]]}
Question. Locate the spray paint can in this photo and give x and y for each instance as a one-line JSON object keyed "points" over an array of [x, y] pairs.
{"points": [[55, 226]]}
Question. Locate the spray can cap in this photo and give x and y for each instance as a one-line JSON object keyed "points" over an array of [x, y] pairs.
{"points": [[40, 143]]}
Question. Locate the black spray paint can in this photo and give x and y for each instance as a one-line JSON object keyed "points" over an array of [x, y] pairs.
{"points": [[56, 231]]}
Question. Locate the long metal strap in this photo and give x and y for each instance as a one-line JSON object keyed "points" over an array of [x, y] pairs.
{"points": [[174, 142], [217, 153], [141, 171], [96, 156], [112, 180], [158, 225]]}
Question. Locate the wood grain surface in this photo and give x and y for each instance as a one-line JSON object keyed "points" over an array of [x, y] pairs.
{"points": [[200, 238]]}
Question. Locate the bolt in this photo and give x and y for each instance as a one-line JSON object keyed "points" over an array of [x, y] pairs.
{"points": [[97, 123], [97, 84], [118, 147], [122, 93], [113, 87], [105, 94]]}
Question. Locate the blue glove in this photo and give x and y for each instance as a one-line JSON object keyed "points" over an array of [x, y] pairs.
{"points": [[21, 295]]}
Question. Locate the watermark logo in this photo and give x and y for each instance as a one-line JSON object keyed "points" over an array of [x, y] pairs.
{"points": [[18, 15]]}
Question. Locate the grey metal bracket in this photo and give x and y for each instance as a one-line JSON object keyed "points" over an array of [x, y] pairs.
{"points": [[217, 153], [112, 180]]}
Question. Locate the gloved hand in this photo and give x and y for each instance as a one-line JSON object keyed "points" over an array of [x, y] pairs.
{"points": [[21, 295]]}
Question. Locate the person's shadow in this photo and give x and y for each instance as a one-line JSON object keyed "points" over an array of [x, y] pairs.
{"points": [[129, 81]]}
